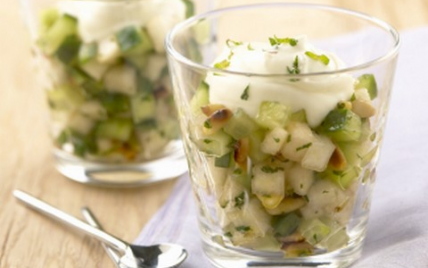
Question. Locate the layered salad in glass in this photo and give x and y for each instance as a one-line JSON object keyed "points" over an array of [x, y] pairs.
{"points": [[106, 77], [286, 149]]}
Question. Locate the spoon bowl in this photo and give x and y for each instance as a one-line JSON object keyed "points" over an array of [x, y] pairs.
{"points": [[132, 256]]}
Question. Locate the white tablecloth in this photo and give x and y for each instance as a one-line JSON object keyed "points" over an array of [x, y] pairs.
{"points": [[398, 227]]}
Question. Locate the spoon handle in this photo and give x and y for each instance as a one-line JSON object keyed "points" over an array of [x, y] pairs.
{"points": [[64, 218], [92, 220]]}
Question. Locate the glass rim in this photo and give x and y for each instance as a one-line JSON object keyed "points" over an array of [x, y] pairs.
{"points": [[356, 14]]}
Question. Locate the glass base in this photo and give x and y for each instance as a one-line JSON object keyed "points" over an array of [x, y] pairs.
{"points": [[223, 257], [121, 175]]}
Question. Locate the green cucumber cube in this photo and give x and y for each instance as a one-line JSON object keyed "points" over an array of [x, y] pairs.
{"points": [[287, 225], [133, 40], [87, 52], [143, 108], [201, 98], [47, 19], [190, 8], [69, 49], [65, 98], [224, 161], [342, 125], [63, 27], [116, 129], [217, 144], [273, 114], [368, 82], [314, 230], [256, 139], [240, 125], [115, 103]]}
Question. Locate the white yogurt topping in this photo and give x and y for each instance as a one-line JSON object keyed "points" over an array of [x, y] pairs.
{"points": [[100, 19], [316, 95]]}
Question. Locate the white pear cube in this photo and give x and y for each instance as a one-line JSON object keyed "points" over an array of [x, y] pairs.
{"points": [[300, 179], [298, 141], [121, 79], [318, 154], [325, 195], [274, 140], [80, 123], [268, 180]]}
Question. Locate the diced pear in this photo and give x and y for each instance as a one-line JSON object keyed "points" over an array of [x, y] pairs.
{"points": [[93, 109], [274, 140], [108, 50], [300, 179], [95, 69], [325, 195], [299, 139], [81, 124], [318, 154], [268, 180], [121, 79], [255, 216]]}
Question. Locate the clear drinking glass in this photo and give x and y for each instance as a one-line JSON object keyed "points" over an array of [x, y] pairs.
{"points": [[282, 110], [104, 70]]}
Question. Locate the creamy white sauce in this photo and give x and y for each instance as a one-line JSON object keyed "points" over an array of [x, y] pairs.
{"points": [[100, 19], [316, 95]]}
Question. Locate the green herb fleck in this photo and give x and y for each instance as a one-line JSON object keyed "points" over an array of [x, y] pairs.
{"points": [[243, 228], [325, 192], [288, 138], [250, 47], [222, 64], [231, 43], [245, 95], [207, 124], [306, 198], [276, 139], [268, 169], [304, 146], [295, 69], [228, 234], [240, 200], [373, 136], [315, 238], [323, 58], [237, 171], [207, 141], [275, 41]]}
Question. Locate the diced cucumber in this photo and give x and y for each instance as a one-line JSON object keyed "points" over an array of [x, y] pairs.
{"points": [[87, 52], [273, 114], [217, 144], [342, 125], [299, 116], [335, 240], [69, 49], [63, 27], [81, 144], [133, 40], [286, 225], [115, 103], [241, 176], [143, 108], [313, 230], [190, 8], [116, 128], [255, 153], [224, 161], [201, 98], [368, 82], [47, 19], [65, 97], [240, 125]]}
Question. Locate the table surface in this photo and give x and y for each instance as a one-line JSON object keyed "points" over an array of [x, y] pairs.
{"points": [[31, 240]]}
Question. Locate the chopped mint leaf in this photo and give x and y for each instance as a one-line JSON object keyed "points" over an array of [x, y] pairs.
{"points": [[268, 169], [275, 41], [323, 58], [295, 69], [243, 228], [237, 171], [207, 124], [250, 47], [207, 141], [276, 140], [373, 136], [231, 43], [304, 146], [228, 234], [306, 198], [222, 64], [240, 200], [245, 95], [288, 138]]}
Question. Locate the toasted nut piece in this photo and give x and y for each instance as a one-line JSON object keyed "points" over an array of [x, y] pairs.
{"points": [[270, 202], [287, 205], [242, 148], [293, 238], [209, 109], [216, 121], [363, 109], [338, 160], [298, 249]]}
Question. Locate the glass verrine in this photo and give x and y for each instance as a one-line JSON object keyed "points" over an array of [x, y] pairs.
{"points": [[104, 70], [282, 110]]}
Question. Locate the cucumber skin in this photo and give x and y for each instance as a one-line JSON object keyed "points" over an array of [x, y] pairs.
{"points": [[342, 125], [368, 82]]}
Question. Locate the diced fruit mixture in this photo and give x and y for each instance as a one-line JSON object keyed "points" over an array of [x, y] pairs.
{"points": [[279, 183], [110, 99]]}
